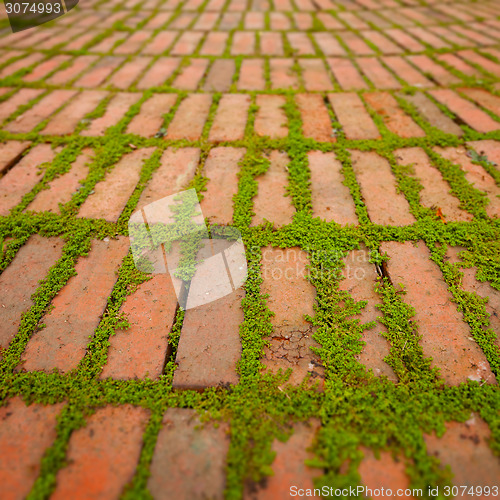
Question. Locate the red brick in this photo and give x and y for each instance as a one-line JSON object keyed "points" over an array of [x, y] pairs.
{"points": [[316, 122], [62, 343], [446, 338], [80, 41], [385, 205], [300, 44], [383, 472], [23, 177], [489, 148], [382, 42], [346, 74], [280, 21], [394, 117], [243, 43], [10, 153], [151, 117], [66, 75], [221, 168], [229, 21], [436, 191], [230, 119], [111, 194], [254, 21], [407, 72], [115, 111], [183, 21], [352, 21], [108, 43], [20, 280], [191, 76], [457, 63], [220, 76], [271, 43], [177, 168], [66, 121], [187, 43], [189, 460], [48, 66], [331, 200], [214, 44], [289, 467], [100, 72], [140, 351], [437, 72], [282, 74], [206, 21], [291, 297], [484, 99], [251, 75], [62, 188], [26, 432], [315, 75], [40, 111], [160, 43], [190, 118], [405, 40], [466, 111], [158, 73], [356, 45], [449, 35], [22, 63], [328, 44], [103, 455], [271, 118], [129, 72], [432, 113], [465, 448], [473, 35], [352, 115], [476, 176], [134, 43], [379, 76], [428, 38], [271, 203]]}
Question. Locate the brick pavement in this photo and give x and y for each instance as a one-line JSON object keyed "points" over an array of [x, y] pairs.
{"points": [[355, 144]]}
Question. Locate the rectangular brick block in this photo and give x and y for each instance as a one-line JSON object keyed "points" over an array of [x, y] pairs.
{"points": [[62, 343], [190, 118], [352, 115], [316, 122], [25, 434], [133, 43], [315, 75], [439, 74], [19, 64], [282, 74], [78, 65], [379, 76], [384, 203], [151, 117], [160, 43], [301, 44], [159, 72], [271, 203], [271, 44], [187, 43], [291, 297], [251, 75], [383, 472], [48, 66], [221, 168], [20, 98], [189, 460], [103, 455], [271, 118], [346, 74], [328, 44], [220, 76], [445, 336], [331, 199], [129, 73], [243, 43], [111, 194], [230, 119], [484, 99], [484, 63], [10, 153], [20, 280], [406, 72], [214, 44], [100, 72], [356, 45]]}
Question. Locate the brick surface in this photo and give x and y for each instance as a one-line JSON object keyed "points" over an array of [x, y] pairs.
{"points": [[62, 342], [103, 455], [190, 118], [99, 72], [315, 75], [377, 74], [151, 116], [484, 99], [346, 74], [159, 72], [10, 153], [271, 118], [316, 122], [282, 74], [189, 459], [251, 75], [25, 433], [446, 338], [230, 119], [129, 73], [220, 76], [383, 472], [66, 75], [21, 98]]}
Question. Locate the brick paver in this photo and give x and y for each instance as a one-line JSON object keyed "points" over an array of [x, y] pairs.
{"points": [[346, 128]]}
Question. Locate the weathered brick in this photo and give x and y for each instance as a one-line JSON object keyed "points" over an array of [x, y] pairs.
{"points": [[66, 75], [10, 153], [406, 72], [271, 118], [129, 72], [100, 72], [356, 45], [111, 194], [133, 43], [385, 205], [189, 460], [108, 43], [440, 75], [291, 297], [486, 64], [150, 119], [328, 44], [103, 455], [20, 280], [206, 21], [315, 75], [428, 38], [251, 75], [466, 111], [331, 199], [190, 118], [40, 111], [352, 115], [436, 191], [316, 122], [300, 44], [115, 111], [383, 472], [382, 42], [405, 40], [282, 74], [26, 432], [271, 203], [214, 44], [23, 177], [48, 66], [243, 43], [221, 168], [21, 63], [489, 148], [230, 119], [62, 343], [160, 43], [271, 44], [457, 63], [279, 21], [62, 188], [394, 117], [379, 76], [446, 338], [187, 43], [484, 99], [191, 76], [346, 74], [160, 71], [220, 76]]}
